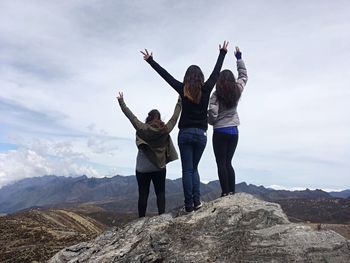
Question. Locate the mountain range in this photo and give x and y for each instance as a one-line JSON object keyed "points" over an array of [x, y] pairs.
{"points": [[120, 193], [45, 214]]}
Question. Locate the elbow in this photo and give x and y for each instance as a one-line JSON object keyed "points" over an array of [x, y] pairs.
{"points": [[211, 119]]}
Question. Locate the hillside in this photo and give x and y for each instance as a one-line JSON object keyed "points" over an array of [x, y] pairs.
{"points": [[38, 234], [118, 193], [341, 194], [330, 210], [237, 228]]}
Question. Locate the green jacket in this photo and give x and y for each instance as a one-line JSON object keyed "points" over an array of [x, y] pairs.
{"points": [[155, 142]]}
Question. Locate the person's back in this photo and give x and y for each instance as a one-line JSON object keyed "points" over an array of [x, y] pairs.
{"points": [[193, 124], [222, 114], [195, 115], [155, 150]]}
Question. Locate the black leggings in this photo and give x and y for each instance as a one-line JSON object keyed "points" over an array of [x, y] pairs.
{"points": [[144, 181], [224, 148]]}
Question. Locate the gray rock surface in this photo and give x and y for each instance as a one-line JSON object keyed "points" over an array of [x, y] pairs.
{"points": [[237, 228]]}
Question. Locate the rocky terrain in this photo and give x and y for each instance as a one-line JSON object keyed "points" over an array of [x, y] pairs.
{"points": [[36, 235], [107, 202], [342, 229], [239, 228], [326, 210]]}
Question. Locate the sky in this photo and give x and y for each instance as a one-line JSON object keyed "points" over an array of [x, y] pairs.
{"points": [[63, 62]]}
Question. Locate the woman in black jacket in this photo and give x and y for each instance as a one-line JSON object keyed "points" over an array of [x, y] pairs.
{"points": [[193, 124]]}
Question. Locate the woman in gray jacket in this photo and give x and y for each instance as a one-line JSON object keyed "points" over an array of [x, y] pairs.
{"points": [[155, 150], [222, 114]]}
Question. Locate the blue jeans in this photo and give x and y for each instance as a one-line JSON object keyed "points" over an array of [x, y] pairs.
{"points": [[192, 142]]}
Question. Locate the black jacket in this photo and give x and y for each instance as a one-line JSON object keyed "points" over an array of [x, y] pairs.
{"points": [[192, 115]]}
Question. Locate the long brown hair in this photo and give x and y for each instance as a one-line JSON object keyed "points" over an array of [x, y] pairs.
{"points": [[193, 82], [227, 90], [154, 119]]}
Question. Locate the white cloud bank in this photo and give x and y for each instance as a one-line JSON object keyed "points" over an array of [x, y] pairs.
{"points": [[62, 62], [24, 163]]}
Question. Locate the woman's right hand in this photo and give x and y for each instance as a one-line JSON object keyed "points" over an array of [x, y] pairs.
{"points": [[120, 96], [146, 55], [224, 46], [238, 53]]}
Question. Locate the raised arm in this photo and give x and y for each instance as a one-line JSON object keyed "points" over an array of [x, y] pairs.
{"points": [[175, 84], [171, 123], [242, 71], [213, 110], [138, 125], [217, 68]]}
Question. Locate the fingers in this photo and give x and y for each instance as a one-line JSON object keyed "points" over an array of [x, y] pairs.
{"points": [[120, 96], [224, 46], [146, 54]]}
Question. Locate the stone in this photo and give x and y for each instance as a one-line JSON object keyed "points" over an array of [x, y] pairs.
{"points": [[235, 228]]}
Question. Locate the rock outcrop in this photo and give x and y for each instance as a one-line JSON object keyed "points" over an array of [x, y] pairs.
{"points": [[237, 228]]}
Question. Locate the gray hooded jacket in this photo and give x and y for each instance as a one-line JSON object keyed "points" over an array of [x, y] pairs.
{"points": [[221, 117]]}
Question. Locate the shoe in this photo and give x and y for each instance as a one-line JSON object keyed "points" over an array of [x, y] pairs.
{"points": [[197, 205], [224, 194], [231, 193], [188, 209], [184, 211]]}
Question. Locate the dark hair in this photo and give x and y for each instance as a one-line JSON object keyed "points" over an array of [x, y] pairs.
{"points": [[193, 82], [154, 119], [227, 91]]}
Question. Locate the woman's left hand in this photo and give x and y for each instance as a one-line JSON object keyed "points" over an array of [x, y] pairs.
{"points": [[224, 46], [146, 55], [121, 96]]}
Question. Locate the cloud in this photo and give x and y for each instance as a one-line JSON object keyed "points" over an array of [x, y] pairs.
{"points": [[11, 110], [101, 142], [43, 158], [61, 64]]}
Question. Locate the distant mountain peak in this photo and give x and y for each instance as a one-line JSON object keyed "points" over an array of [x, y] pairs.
{"points": [[52, 190]]}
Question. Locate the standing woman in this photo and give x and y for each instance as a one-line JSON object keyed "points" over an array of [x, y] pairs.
{"points": [[193, 124], [223, 116], [155, 150]]}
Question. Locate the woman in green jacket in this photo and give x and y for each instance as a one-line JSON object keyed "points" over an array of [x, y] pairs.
{"points": [[155, 150]]}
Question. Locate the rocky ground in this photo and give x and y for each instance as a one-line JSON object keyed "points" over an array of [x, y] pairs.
{"points": [[341, 229], [323, 210], [36, 235], [237, 228]]}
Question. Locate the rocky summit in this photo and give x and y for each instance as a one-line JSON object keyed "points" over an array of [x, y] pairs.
{"points": [[238, 228]]}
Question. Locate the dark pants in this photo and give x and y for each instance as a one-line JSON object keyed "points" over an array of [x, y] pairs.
{"points": [[144, 181], [224, 148], [192, 142]]}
